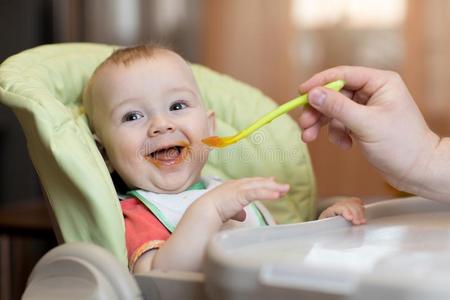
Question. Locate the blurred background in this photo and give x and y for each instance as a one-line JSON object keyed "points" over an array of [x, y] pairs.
{"points": [[272, 45]]}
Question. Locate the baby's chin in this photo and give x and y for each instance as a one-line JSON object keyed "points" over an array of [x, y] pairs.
{"points": [[175, 186]]}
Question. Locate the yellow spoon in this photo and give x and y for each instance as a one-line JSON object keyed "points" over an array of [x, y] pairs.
{"points": [[220, 142]]}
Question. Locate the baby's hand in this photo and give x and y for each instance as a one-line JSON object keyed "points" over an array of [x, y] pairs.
{"points": [[229, 199], [351, 209]]}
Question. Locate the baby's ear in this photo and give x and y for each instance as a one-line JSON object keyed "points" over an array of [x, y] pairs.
{"points": [[211, 121], [102, 150]]}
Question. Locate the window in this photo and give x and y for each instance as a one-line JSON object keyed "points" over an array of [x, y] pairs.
{"points": [[357, 32]]}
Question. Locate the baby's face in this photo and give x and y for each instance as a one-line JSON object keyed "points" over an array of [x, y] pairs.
{"points": [[150, 119]]}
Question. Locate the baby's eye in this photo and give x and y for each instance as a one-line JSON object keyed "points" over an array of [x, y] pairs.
{"points": [[178, 105], [132, 116]]}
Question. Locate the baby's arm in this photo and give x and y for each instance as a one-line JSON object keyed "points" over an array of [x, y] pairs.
{"points": [[185, 248], [351, 209]]}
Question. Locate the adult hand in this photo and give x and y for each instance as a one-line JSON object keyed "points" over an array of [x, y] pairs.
{"points": [[376, 110]]}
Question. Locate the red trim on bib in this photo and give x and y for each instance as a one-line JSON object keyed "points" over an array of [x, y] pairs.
{"points": [[143, 231]]}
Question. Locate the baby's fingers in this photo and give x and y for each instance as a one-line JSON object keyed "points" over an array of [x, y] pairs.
{"points": [[233, 208], [268, 183], [262, 194], [240, 216], [354, 214], [357, 210], [336, 210]]}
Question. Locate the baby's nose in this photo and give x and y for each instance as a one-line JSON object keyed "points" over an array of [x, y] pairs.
{"points": [[161, 126]]}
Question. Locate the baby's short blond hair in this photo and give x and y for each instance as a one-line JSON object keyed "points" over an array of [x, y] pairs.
{"points": [[120, 56], [128, 55]]}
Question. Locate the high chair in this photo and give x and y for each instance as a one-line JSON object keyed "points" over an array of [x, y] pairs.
{"points": [[43, 86]]}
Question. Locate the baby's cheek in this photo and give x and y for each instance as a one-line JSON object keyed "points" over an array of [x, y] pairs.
{"points": [[199, 153]]}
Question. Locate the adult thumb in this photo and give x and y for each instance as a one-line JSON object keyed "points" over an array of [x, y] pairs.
{"points": [[336, 105]]}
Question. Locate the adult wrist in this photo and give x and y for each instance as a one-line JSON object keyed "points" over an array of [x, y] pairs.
{"points": [[438, 183], [431, 177]]}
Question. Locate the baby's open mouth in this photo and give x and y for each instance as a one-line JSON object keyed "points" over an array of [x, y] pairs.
{"points": [[168, 156]]}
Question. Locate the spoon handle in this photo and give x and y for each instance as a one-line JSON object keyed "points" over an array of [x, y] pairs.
{"points": [[284, 108]]}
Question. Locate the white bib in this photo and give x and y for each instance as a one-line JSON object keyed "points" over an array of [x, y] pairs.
{"points": [[169, 208]]}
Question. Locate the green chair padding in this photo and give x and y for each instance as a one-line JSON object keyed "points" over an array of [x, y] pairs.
{"points": [[43, 86]]}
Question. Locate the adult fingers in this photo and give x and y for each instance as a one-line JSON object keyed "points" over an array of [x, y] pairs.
{"points": [[311, 133], [356, 78], [338, 135], [337, 106], [308, 117]]}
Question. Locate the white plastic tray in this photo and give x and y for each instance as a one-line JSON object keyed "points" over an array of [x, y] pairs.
{"points": [[403, 252]]}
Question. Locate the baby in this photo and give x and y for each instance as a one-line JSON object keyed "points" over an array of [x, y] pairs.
{"points": [[148, 118]]}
